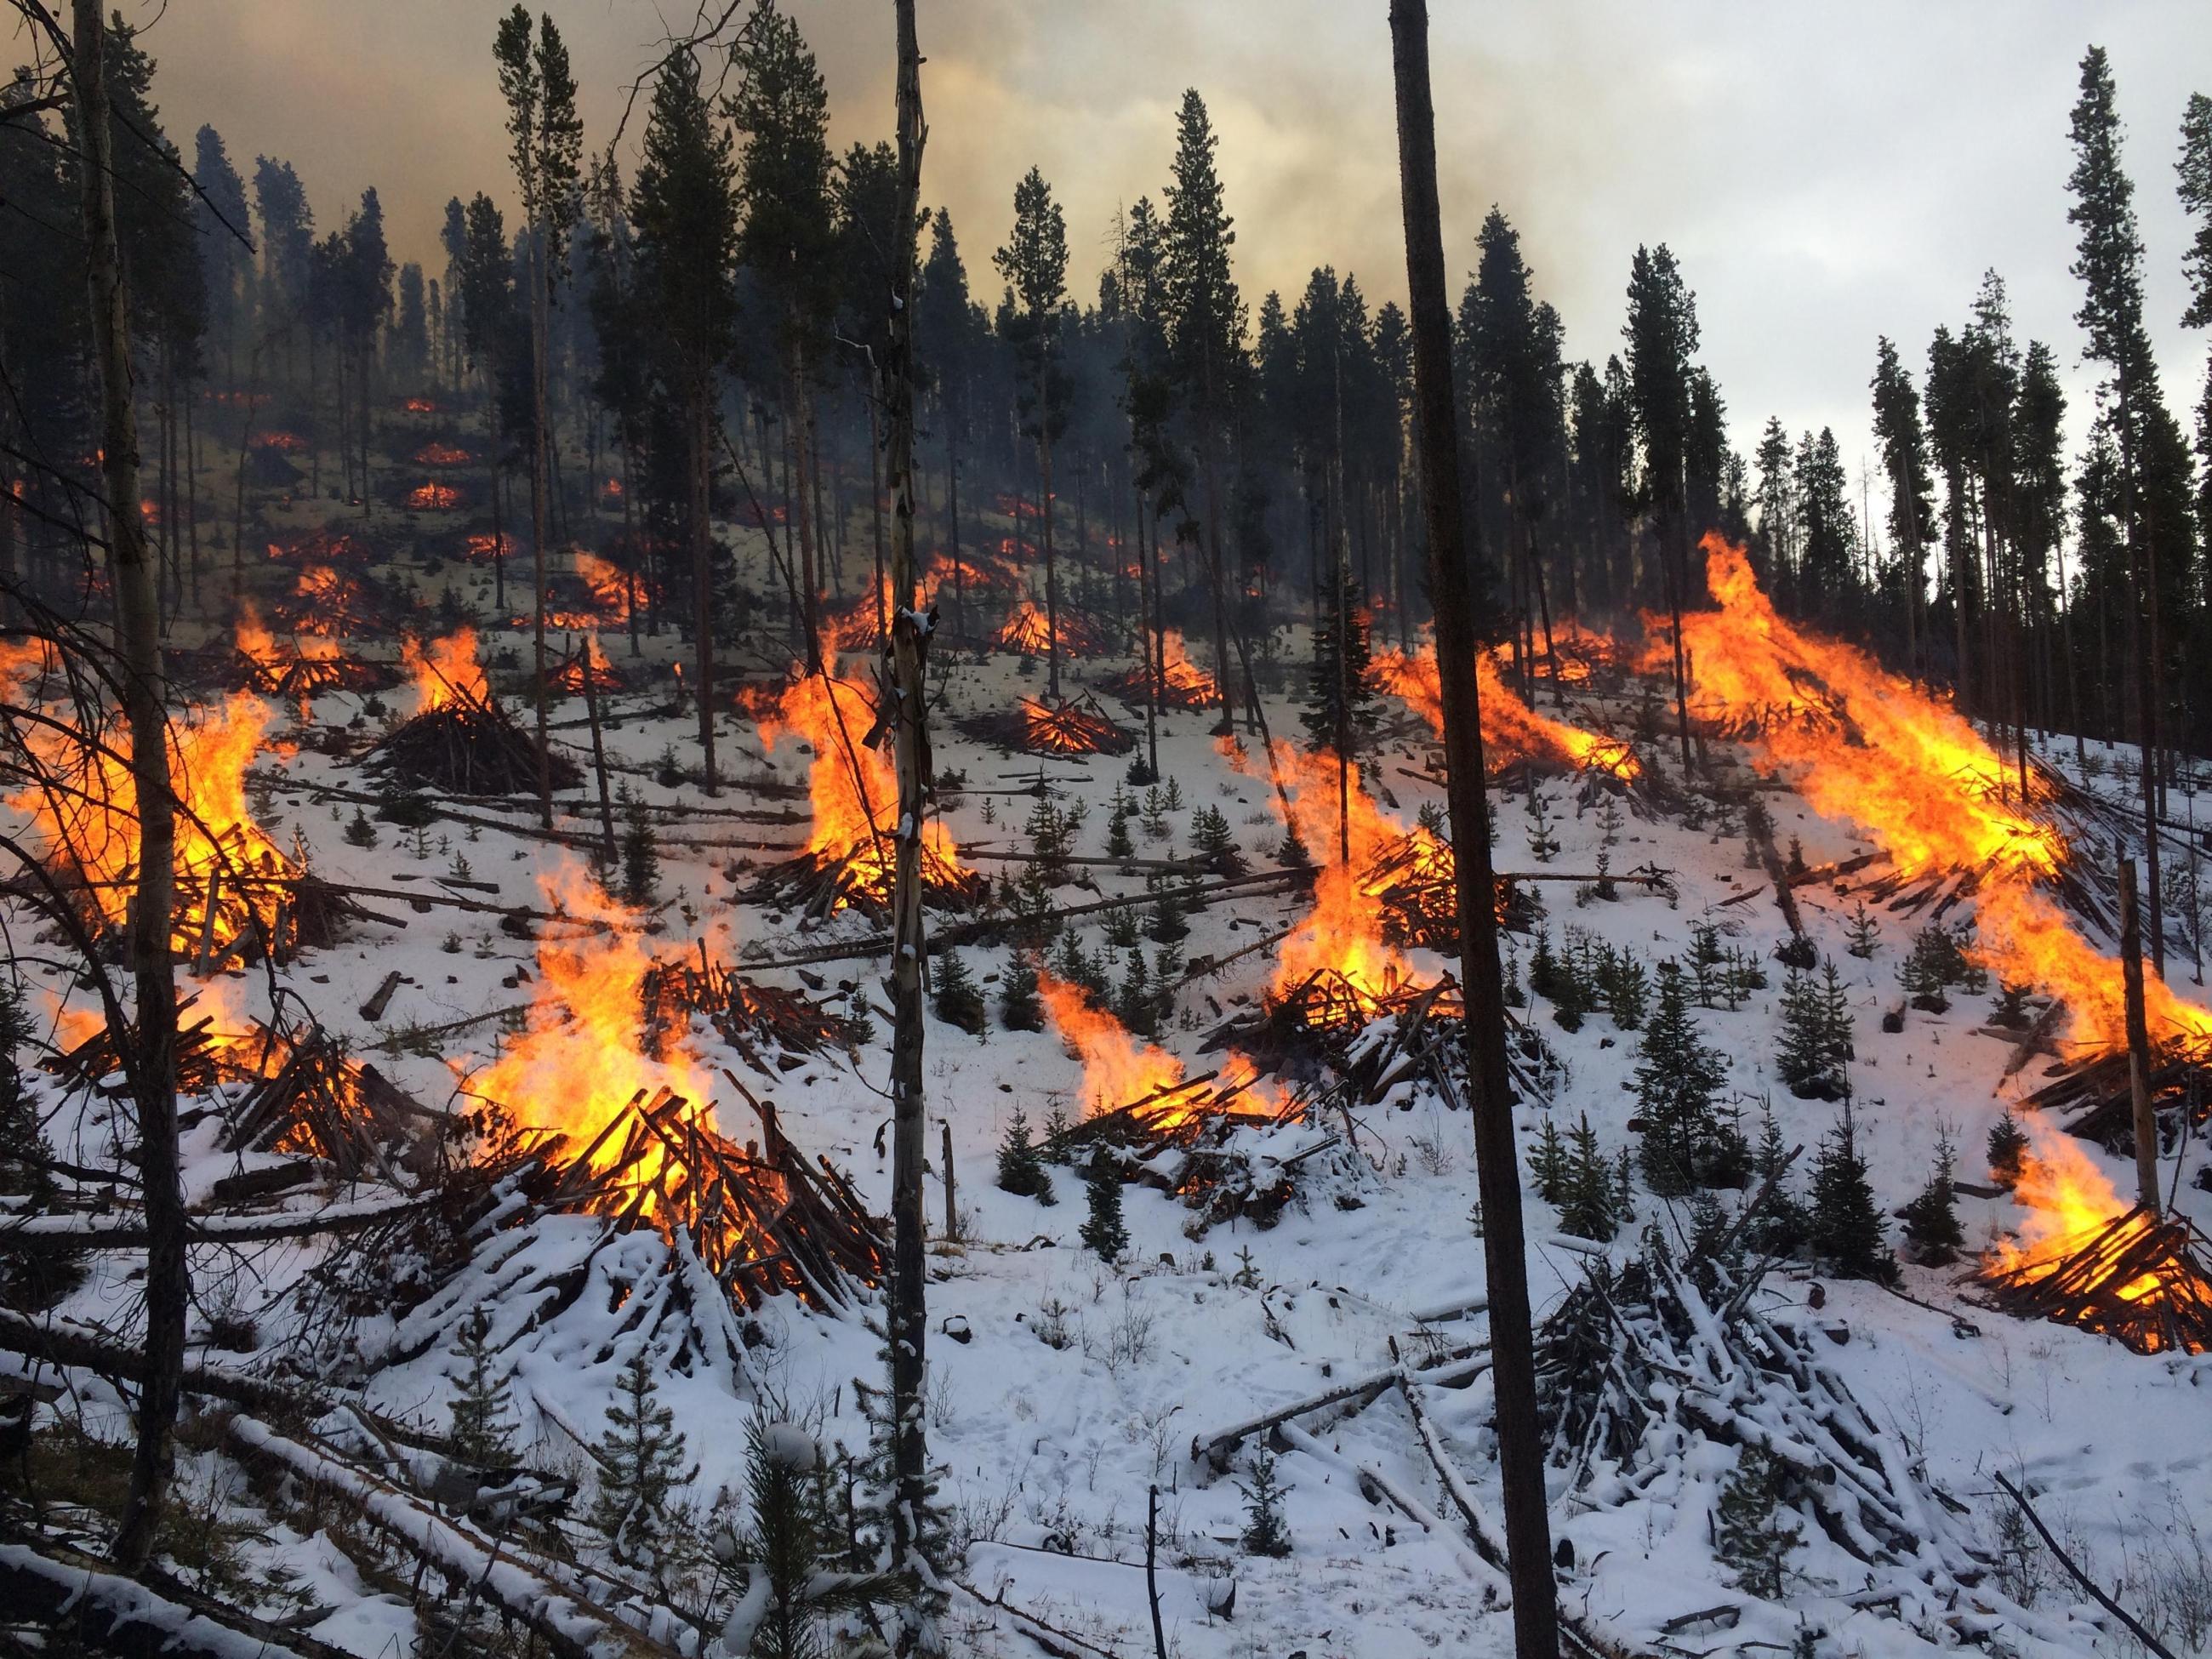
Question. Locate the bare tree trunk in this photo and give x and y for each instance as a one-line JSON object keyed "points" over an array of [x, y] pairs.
{"points": [[539, 485], [1044, 510], [810, 582], [906, 647], [1520, 1440], [137, 622], [700, 414]]}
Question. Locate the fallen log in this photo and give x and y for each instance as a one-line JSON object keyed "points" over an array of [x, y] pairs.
{"points": [[60, 1234], [1213, 1450], [59, 1343], [75, 1595]]}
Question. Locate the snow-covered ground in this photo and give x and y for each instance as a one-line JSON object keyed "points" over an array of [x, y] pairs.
{"points": [[1073, 1387]]}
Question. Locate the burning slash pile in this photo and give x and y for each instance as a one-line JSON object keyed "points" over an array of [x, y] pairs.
{"points": [[1208, 1139], [1077, 726], [850, 857], [1511, 731], [310, 664], [1183, 683], [569, 678], [2088, 1258], [237, 896], [753, 1018], [459, 739], [1025, 632], [606, 1128]]}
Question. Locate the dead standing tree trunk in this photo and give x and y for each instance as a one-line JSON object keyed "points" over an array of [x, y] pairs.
{"points": [[908, 642], [137, 620], [1520, 1449]]}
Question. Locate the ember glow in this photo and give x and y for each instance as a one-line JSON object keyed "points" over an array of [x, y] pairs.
{"points": [[485, 545], [1865, 745], [271, 660], [434, 497], [438, 454], [853, 789], [1511, 729], [609, 588], [445, 672], [1185, 684]]}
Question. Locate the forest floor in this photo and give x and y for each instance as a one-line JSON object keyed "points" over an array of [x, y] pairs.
{"points": [[1062, 1387]]}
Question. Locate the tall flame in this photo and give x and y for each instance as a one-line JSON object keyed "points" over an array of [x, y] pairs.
{"points": [[1511, 728], [580, 1060], [1344, 929], [1864, 745], [1118, 1067], [853, 788], [445, 672]]}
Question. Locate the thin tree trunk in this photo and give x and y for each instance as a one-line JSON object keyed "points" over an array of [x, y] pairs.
{"points": [[1520, 1440], [137, 621], [539, 484], [700, 415], [908, 1314]]}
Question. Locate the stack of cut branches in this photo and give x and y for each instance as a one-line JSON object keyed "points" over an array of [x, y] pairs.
{"points": [[1208, 1142], [2092, 1098], [776, 1029], [818, 882], [2139, 1279], [309, 1099], [467, 746], [1078, 726]]}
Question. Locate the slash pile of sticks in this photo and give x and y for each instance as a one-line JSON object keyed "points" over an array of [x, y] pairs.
{"points": [[774, 1028], [2139, 1279], [1078, 726], [760, 1218], [467, 746]]}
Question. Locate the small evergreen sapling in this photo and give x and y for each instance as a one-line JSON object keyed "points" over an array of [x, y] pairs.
{"points": [[1019, 1007], [1677, 1077], [1264, 1533], [1931, 1219], [1753, 1534], [957, 999], [792, 1586], [1589, 1206], [1021, 1163], [2008, 1145], [640, 856], [1848, 1232], [483, 1409], [640, 1455], [1102, 1229], [1215, 844]]}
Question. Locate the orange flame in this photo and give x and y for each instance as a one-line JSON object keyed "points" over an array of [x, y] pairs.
{"points": [[438, 454], [1511, 729], [258, 644], [1117, 1067], [445, 672], [434, 497], [2066, 1196], [853, 789], [581, 1060], [1864, 745], [1343, 931]]}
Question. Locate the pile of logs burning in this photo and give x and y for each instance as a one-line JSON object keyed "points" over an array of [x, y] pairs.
{"points": [[461, 741], [1076, 727], [2139, 1279]]}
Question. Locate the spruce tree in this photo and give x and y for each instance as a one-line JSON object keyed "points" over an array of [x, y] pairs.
{"points": [[1019, 1007], [1780, 1225], [483, 1409], [1931, 1219], [1848, 1232], [1166, 924], [1812, 1056], [1753, 1534], [641, 855], [1343, 698], [1021, 1166], [2008, 1146], [640, 1455], [1547, 1164], [1264, 1532], [1103, 1229], [956, 998], [1865, 933], [1589, 1207], [1677, 1077], [1119, 842], [1215, 844]]}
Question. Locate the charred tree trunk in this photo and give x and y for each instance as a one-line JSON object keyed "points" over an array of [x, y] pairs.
{"points": [[137, 625], [1521, 1457], [1045, 510], [908, 642], [698, 417]]}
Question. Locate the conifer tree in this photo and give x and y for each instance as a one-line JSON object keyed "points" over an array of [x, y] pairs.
{"points": [[1034, 261], [1816, 1041], [1931, 1219], [957, 1000], [641, 855], [1589, 1207], [1021, 1166], [788, 1552], [1215, 844], [1019, 1008], [1103, 1229], [1119, 843], [1166, 924], [1626, 989], [1753, 1534], [2008, 1146], [640, 1455], [483, 1407], [1848, 1232], [1264, 1532], [1676, 1078], [1135, 1004], [1547, 1164], [1864, 930], [1780, 1227], [1343, 697]]}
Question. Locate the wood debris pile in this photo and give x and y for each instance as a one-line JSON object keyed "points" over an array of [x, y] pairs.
{"points": [[776, 1029], [1077, 726], [2139, 1279], [467, 745]]}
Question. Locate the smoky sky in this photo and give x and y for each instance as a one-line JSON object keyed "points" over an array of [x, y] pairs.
{"points": [[1825, 174]]}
